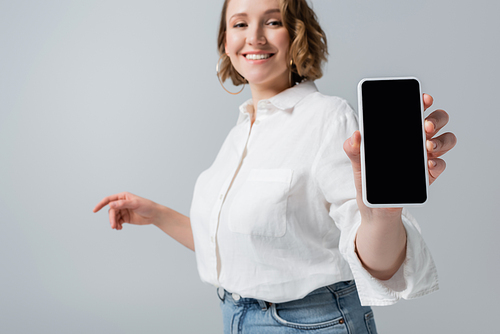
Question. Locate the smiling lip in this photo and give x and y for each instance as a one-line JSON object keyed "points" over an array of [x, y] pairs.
{"points": [[255, 52], [244, 54]]}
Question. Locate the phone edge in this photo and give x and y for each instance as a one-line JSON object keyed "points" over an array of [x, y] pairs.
{"points": [[363, 171]]}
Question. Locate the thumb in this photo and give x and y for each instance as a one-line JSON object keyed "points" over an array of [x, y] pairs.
{"points": [[352, 149]]}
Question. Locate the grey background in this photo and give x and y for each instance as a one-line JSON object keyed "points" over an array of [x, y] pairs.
{"points": [[98, 97]]}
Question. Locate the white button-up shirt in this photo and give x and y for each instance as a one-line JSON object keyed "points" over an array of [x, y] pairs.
{"points": [[275, 215]]}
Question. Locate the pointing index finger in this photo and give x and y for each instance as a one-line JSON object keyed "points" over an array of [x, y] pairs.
{"points": [[106, 200]]}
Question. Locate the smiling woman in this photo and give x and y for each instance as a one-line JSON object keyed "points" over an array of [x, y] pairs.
{"points": [[278, 221], [302, 57]]}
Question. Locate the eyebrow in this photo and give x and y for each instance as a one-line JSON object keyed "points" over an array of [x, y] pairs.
{"points": [[269, 11]]}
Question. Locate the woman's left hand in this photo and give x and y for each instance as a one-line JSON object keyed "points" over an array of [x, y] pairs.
{"points": [[436, 147]]}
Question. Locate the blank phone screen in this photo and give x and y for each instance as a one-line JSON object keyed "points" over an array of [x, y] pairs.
{"points": [[395, 170]]}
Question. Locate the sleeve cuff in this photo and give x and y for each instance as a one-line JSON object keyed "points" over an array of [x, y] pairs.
{"points": [[416, 277]]}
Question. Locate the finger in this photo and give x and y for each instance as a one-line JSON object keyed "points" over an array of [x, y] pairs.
{"points": [[120, 224], [428, 100], [436, 167], [438, 146], [112, 218], [124, 218], [106, 200], [435, 122], [124, 204], [119, 220]]}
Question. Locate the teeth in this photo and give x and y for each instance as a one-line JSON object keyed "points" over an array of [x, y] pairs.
{"points": [[257, 56]]}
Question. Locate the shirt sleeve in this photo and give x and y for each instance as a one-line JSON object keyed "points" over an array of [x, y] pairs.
{"points": [[333, 174]]}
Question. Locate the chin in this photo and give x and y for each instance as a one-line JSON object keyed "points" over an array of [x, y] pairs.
{"points": [[262, 79], [257, 81]]}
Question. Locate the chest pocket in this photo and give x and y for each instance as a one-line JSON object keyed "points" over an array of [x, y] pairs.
{"points": [[259, 207]]}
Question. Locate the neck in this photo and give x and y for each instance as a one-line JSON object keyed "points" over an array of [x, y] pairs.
{"points": [[267, 90]]}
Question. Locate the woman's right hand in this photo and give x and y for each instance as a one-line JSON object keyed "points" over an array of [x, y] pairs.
{"points": [[129, 208]]}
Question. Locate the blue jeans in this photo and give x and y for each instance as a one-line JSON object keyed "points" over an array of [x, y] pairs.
{"points": [[330, 309]]}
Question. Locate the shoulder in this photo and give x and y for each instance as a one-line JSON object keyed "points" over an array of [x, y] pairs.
{"points": [[327, 109]]}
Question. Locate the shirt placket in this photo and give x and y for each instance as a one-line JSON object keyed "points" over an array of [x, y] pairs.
{"points": [[215, 216], [262, 112]]}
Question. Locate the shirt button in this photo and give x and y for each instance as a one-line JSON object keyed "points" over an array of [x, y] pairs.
{"points": [[257, 122], [236, 296], [222, 195], [212, 239]]}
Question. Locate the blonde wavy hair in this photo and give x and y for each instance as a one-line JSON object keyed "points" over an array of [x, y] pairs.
{"points": [[308, 47]]}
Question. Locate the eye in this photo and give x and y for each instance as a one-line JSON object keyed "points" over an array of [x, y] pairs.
{"points": [[239, 25], [275, 23]]}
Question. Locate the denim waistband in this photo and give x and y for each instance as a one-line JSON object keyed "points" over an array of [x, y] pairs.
{"points": [[339, 288], [235, 298]]}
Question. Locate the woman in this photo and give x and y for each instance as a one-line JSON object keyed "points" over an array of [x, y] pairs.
{"points": [[278, 220]]}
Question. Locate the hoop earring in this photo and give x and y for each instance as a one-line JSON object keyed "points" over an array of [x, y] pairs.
{"points": [[290, 76], [218, 77]]}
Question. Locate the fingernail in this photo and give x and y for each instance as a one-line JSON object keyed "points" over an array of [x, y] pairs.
{"points": [[432, 147], [433, 163]]}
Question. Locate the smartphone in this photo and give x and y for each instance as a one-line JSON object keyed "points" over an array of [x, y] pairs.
{"points": [[393, 152]]}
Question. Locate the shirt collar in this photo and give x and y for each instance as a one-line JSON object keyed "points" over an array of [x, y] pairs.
{"points": [[285, 100]]}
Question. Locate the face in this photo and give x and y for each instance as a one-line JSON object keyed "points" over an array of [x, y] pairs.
{"points": [[256, 41]]}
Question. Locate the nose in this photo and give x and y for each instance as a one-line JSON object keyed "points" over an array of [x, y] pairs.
{"points": [[256, 36]]}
